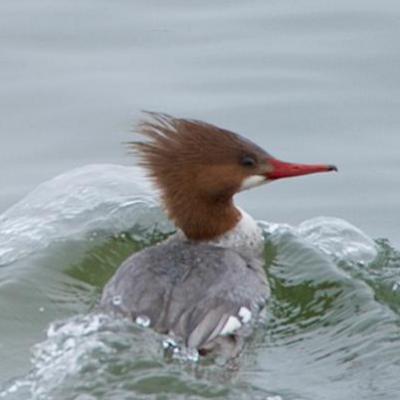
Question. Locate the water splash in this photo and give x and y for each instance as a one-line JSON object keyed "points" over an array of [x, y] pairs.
{"points": [[339, 239], [169, 343], [116, 300], [86, 355], [335, 237], [143, 320], [99, 356], [102, 197], [175, 349], [77, 347]]}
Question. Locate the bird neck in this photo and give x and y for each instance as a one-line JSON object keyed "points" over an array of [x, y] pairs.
{"points": [[203, 219], [245, 237]]}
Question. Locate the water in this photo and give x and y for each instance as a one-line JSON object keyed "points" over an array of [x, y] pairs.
{"points": [[332, 327], [309, 81]]}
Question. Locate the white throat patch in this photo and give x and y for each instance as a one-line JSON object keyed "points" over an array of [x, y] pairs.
{"points": [[252, 181], [246, 237]]}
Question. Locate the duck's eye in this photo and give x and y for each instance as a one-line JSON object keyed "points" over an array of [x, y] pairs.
{"points": [[248, 161]]}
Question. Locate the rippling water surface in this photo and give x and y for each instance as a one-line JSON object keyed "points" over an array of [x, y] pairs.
{"points": [[332, 328], [307, 80]]}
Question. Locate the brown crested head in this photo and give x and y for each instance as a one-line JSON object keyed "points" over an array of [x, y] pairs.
{"points": [[198, 167]]}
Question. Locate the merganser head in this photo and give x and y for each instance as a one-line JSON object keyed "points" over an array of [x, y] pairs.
{"points": [[199, 167]]}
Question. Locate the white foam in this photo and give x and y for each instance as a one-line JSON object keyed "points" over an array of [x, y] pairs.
{"points": [[338, 239], [245, 314], [104, 196], [143, 320], [334, 237]]}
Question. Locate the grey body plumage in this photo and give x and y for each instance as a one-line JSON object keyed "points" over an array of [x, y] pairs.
{"points": [[190, 290]]}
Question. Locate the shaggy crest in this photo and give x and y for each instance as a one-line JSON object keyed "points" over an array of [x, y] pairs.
{"points": [[187, 138], [197, 168]]}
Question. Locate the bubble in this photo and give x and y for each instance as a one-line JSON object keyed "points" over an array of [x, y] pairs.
{"points": [[245, 314], [185, 354], [117, 300], [169, 343], [143, 320]]}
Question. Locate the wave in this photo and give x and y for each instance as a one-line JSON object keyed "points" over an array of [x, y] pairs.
{"points": [[103, 197], [335, 305]]}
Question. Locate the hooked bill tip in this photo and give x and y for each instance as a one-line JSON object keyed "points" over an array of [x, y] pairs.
{"points": [[332, 168]]}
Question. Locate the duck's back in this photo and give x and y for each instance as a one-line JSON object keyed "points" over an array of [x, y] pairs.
{"points": [[201, 293]]}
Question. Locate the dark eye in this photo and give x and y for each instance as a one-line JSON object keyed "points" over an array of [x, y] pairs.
{"points": [[248, 161]]}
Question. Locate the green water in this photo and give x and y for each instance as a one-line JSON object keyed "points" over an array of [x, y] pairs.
{"points": [[332, 329]]}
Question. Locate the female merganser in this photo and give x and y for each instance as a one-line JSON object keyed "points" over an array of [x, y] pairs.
{"points": [[205, 284]]}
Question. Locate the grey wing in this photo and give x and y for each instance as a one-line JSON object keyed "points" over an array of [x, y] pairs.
{"points": [[203, 299], [137, 290], [230, 302]]}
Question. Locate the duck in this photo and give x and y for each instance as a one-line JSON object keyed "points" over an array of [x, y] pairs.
{"points": [[204, 286]]}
